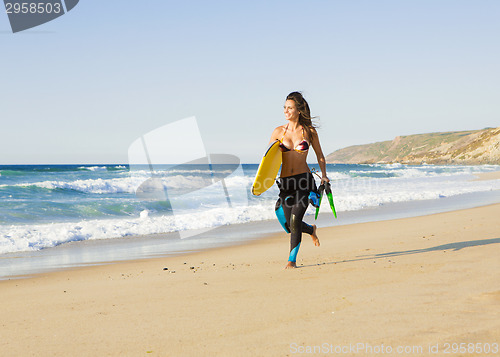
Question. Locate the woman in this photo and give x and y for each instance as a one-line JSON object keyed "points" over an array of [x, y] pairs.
{"points": [[296, 181]]}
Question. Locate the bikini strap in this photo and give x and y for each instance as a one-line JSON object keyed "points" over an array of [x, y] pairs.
{"points": [[284, 133]]}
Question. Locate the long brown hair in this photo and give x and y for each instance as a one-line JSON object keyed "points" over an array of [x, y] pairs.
{"points": [[305, 118]]}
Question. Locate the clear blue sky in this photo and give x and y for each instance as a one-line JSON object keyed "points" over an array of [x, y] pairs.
{"points": [[82, 88]]}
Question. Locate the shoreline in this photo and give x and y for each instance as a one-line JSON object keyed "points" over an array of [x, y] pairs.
{"points": [[428, 280], [485, 176], [108, 251]]}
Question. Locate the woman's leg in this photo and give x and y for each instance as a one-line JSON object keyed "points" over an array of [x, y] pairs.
{"points": [[294, 209]]}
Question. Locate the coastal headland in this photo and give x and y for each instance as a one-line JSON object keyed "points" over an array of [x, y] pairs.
{"points": [[474, 147]]}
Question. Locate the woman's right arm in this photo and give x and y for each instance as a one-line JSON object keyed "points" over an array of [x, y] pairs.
{"points": [[275, 135], [319, 155]]}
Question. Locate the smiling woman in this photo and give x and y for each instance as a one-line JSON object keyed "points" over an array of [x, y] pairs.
{"points": [[296, 181]]}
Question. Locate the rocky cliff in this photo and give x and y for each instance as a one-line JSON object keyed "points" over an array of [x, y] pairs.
{"points": [[475, 147]]}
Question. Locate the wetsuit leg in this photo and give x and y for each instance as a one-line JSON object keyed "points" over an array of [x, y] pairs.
{"points": [[294, 209]]}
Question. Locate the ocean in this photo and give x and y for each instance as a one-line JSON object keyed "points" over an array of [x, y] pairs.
{"points": [[47, 206]]}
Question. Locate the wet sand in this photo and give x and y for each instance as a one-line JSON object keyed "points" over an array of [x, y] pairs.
{"points": [[495, 175], [414, 283]]}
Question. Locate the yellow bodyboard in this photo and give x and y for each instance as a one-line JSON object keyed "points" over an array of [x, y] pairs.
{"points": [[268, 169]]}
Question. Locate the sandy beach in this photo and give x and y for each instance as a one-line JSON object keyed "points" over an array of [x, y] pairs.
{"points": [[494, 175], [413, 285], [149, 154]]}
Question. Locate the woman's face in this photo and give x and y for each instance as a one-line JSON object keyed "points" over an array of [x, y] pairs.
{"points": [[290, 110]]}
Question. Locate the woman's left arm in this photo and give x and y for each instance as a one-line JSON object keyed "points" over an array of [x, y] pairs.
{"points": [[319, 155]]}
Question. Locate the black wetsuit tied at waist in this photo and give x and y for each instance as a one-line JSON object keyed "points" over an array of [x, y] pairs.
{"points": [[294, 199]]}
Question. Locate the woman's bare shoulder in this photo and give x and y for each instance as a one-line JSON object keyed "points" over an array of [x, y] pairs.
{"points": [[277, 133], [279, 129]]}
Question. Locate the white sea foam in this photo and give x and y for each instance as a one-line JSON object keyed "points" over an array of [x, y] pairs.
{"points": [[349, 196], [366, 192], [93, 168], [130, 184], [207, 207], [35, 237], [115, 185]]}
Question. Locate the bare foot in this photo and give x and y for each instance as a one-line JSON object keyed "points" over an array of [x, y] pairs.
{"points": [[291, 265], [314, 236]]}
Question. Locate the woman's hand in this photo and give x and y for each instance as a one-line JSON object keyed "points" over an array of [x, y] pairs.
{"points": [[324, 179]]}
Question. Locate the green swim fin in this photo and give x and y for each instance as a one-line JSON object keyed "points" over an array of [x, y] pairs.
{"points": [[330, 198], [320, 191]]}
